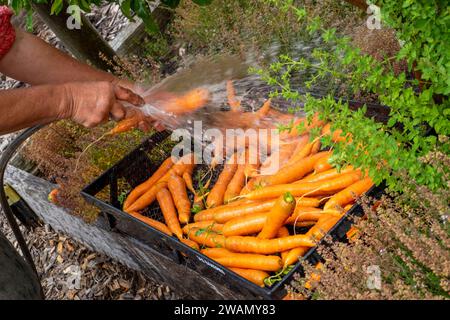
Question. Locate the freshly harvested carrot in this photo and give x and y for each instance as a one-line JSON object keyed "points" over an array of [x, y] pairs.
{"points": [[307, 188], [184, 163], [234, 103], [249, 186], [205, 237], [315, 122], [302, 149], [255, 276], [283, 232], [208, 214], [251, 261], [267, 246], [336, 136], [252, 164], [126, 125], [177, 188], [264, 110], [304, 214], [210, 225], [295, 171], [322, 165], [189, 102], [245, 225], [147, 198], [216, 252], [187, 177], [332, 173], [237, 181], [322, 226], [347, 195], [278, 159], [293, 255], [190, 243], [281, 210], [168, 210], [215, 197], [222, 215], [143, 187], [151, 222]]}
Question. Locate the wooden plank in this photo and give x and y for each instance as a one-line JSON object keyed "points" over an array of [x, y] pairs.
{"points": [[84, 43], [122, 248]]}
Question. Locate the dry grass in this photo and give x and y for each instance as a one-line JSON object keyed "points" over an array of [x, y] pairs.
{"points": [[56, 149]]}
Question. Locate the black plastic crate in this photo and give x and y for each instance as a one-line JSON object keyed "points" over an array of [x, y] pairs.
{"points": [[135, 168]]}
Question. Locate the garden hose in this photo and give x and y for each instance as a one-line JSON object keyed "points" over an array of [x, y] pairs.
{"points": [[4, 160]]}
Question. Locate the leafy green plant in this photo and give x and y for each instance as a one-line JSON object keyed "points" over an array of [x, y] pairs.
{"points": [[130, 8], [400, 145]]}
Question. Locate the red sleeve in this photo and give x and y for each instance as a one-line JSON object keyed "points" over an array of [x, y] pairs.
{"points": [[7, 33]]}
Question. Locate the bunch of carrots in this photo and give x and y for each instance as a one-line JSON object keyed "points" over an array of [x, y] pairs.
{"points": [[249, 222]]}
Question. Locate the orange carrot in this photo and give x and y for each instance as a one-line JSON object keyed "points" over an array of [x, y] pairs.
{"points": [[147, 198], [209, 225], [189, 102], [278, 159], [267, 246], [216, 252], [126, 124], [234, 103], [143, 187], [336, 136], [206, 238], [237, 181], [347, 195], [215, 197], [283, 232], [304, 214], [168, 210], [302, 149], [322, 164], [255, 276], [249, 186], [315, 122], [264, 110], [295, 171], [307, 188], [245, 225], [177, 188], [293, 255], [187, 177], [190, 243], [151, 222], [322, 226], [184, 163], [332, 173], [251, 261], [222, 215], [282, 209]]}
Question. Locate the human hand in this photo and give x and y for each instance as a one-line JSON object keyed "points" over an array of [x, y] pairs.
{"points": [[93, 103]]}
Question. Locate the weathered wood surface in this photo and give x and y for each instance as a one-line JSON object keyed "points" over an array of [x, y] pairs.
{"points": [[84, 43], [131, 38], [122, 248]]}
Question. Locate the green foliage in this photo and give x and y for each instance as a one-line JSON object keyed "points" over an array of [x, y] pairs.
{"points": [[424, 26], [129, 8], [399, 146]]}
